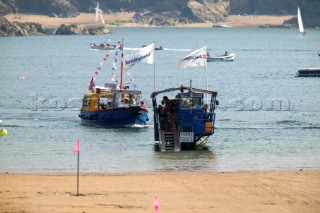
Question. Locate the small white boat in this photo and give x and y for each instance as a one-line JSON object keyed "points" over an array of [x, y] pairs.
{"points": [[225, 57], [103, 46]]}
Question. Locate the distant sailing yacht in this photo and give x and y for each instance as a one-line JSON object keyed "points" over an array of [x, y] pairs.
{"points": [[300, 24], [99, 13]]}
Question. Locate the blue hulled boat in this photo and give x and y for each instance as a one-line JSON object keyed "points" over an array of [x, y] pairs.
{"points": [[111, 105], [185, 121], [108, 107]]}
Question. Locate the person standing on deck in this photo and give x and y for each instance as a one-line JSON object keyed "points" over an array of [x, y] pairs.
{"points": [[143, 106]]}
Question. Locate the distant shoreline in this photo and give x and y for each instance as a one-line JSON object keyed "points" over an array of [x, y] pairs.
{"points": [[125, 19]]}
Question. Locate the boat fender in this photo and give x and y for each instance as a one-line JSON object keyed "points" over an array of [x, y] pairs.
{"points": [[208, 127]]}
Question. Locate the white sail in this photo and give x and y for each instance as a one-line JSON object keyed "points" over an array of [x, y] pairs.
{"points": [[97, 12], [102, 20], [301, 29]]}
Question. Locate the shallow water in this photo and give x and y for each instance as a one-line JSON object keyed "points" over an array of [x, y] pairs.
{"points": [[253, 132]]}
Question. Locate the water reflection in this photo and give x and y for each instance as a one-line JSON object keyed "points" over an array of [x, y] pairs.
{"points": [[195, 160]]}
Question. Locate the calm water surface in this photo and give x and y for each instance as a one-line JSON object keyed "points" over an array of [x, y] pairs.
{"points": [[41, 111]]}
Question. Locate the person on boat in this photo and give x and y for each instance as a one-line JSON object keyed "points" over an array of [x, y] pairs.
{"points": [[170, 108], [166, 103], [205, 111], [225, 53], [186, 103], [208, 55], [109, 106], [175, 104], [163, 118], [132, 99], [142, 105]]}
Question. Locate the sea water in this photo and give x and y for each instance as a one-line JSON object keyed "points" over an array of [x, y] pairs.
{"points": [[43, 79]]}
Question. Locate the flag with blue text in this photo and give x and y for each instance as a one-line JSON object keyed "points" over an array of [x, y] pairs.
{"points": [[194, 59], [144, 55]]}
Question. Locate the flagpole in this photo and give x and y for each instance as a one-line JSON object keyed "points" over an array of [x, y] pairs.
{"points": [[121, 71], [154, 67], [206, 69], [78, 174], [77, 149]]}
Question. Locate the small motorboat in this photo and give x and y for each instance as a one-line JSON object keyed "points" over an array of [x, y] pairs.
{"points": [[225, 57], [156, 48], [103, 46]]}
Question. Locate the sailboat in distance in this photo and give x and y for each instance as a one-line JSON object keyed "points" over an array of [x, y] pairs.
{"points": [[99, 13], [300, 24]]}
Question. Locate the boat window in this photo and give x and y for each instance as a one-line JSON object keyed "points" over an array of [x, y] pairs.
{"points": [[85, 102], [194, 102], [187, 129], [104, 101], [125, 98], [133, 99]]}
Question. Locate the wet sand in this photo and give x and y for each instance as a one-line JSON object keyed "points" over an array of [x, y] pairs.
{"points": [[279, 191], [126, 20]]}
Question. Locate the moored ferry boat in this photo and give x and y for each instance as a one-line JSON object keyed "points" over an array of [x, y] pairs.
{"points": [[109, 106], [112, 104], [186, 121]]}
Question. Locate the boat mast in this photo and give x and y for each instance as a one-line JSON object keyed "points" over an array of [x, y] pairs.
{"points": [[206, 70], [122, 62], [154, 67]]}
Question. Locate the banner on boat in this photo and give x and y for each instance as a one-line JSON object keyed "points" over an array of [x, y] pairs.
{"points": [[196, 58], [144, 55]]}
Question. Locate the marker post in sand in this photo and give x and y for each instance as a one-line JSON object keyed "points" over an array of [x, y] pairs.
{"points": [[77, 149], [156, 204]]}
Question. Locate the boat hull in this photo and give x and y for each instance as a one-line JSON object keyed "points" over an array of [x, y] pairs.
{"points": [[125, 116], [102, 47], [229, 57], [308, 72], [185, 122]]}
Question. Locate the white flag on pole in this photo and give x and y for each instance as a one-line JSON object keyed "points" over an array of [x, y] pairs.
{"points": [[144, 55], [196, 58]]}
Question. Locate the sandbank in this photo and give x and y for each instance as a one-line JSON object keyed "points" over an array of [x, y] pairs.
{"points": [[125, 19], [275, 191]]}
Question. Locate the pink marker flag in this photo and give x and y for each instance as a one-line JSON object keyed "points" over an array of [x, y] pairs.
{"points": [[77, 147], [156, 204]]}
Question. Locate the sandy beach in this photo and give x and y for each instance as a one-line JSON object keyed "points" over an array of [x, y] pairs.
{"points": [[126, 20], [286, 191]]}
